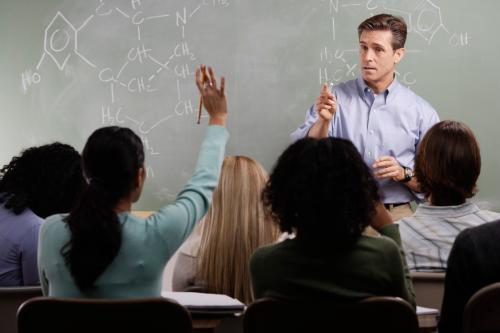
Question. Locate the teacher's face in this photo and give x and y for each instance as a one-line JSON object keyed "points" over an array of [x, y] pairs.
{"points": [[377, 59]]}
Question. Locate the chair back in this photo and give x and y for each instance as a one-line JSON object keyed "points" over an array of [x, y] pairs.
{"points": [[10, 300], [482, 311], [429, 288], [374, 314], [77, 315]]}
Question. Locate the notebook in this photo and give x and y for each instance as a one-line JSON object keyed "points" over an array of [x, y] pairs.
{"points": [[206, 303], [427, 317]]}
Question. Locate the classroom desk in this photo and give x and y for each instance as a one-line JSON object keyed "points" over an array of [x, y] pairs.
{"points": [[234, 324]]}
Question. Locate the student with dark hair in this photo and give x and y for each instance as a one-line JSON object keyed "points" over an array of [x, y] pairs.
{"points": [[40, 182], [100, 249], [447, 166], [384, 119], [322, 190], [473, 264]]}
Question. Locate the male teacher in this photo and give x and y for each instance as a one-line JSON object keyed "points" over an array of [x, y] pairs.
{"points": [[384, 119]]}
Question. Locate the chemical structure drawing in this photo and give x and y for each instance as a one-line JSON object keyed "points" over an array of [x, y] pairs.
{"points": [[61, 46], [423, 17]]}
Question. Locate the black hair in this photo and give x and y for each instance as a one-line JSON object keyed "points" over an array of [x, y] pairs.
{"points": [[46, 179], [323, 190], [111, 159]]}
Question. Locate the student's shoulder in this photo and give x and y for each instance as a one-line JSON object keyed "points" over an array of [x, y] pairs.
{"points": [[383, 244], [488, 229], [54, 222], [272, 251], [264, 251]]}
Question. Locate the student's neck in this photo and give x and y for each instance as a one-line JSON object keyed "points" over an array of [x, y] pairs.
{"points": [[124, 205], [431, 203]]}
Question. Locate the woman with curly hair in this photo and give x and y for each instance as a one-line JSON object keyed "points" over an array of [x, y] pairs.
{"points": [[40, 182], [322, 190], [216, 256]]}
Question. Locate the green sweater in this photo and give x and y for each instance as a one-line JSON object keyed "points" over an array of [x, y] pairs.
{"points": [[147, 244], [375, 266]]}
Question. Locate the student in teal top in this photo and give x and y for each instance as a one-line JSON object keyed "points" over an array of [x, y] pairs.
{"points": [[100, 250], [329, 259]]}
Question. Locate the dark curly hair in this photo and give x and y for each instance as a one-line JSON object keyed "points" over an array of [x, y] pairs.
{"points": [[323, 190], [46, 179], [111, 159], [448, 163]]}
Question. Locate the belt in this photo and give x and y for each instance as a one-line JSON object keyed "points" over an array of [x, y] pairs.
{"points": [[394, 205]]}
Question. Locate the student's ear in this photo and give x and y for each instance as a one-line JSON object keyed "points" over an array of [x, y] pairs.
{"points": [[399, 54], [140, 177]]}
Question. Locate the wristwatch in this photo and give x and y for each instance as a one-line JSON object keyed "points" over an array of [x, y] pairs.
{"points": [[408, 172]]}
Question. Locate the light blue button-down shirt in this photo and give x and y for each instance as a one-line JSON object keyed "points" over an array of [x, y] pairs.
{"points": [[390, 123]]}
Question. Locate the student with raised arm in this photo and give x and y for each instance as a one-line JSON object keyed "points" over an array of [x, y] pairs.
{"points": [[322, 190], [384, 119], [100, 249], [40, 182]]}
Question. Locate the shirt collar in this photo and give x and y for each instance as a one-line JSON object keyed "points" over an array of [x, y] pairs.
{"points": [[447, 211], [364, 89]]}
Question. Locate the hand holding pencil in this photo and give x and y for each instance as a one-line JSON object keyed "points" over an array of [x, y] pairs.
{"points": [[213, 98]]}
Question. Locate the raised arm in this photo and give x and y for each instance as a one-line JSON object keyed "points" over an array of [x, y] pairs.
{"points": [[318, 122], [326, 105], [176, 221]]}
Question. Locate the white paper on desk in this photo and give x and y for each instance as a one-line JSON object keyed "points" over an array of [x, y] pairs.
{"points": [[426, 311], [204, 301]]}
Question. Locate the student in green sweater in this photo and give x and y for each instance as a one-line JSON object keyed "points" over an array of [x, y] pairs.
{"points": [[100, 250], [321, 190]]}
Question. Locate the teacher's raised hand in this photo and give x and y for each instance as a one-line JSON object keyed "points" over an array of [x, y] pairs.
{"points": [[326, 104]]}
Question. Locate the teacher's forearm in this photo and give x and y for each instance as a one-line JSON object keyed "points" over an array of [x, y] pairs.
{"points": [[319, 129]]}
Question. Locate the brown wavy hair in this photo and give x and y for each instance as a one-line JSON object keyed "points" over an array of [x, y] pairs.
{"points": [[396, 25], [448, 163]]}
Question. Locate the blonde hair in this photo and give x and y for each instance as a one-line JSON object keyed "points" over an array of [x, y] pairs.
{"points": [[236, 224]]}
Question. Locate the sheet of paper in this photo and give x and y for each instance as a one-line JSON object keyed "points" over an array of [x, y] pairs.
{"points": [[203, 300], [423, 310]]}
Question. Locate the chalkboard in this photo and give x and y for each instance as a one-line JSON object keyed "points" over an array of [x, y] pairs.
{"points": [[69, 67]]}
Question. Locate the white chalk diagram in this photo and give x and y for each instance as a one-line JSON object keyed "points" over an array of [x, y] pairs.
{"points": [[423, 18], [61, 43], [62, 38]]}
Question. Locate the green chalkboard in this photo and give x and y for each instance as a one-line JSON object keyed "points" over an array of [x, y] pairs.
{"points": [[69, 67]]}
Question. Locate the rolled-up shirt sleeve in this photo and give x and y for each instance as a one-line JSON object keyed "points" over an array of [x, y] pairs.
{"points": [[303, 129]]}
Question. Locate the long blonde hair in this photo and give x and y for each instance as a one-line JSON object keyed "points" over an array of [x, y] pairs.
{"points": [[236, 224]]}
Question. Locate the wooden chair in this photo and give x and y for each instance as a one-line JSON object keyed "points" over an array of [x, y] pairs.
{"points": [[482, 311], [374, 314], [10, 300], [78, 315], [429, 288]]}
